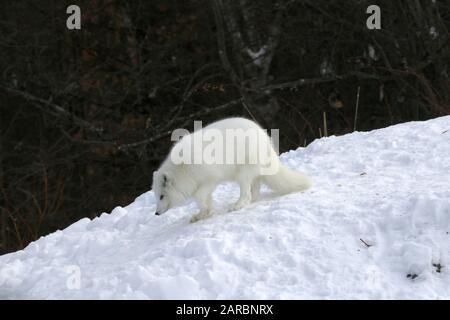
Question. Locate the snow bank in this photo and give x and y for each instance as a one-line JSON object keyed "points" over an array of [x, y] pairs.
{"points": [[374, 226]]}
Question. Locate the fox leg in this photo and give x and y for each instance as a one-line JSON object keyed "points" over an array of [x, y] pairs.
{"points": [[245, 194], [255, 189], [204, 201]]}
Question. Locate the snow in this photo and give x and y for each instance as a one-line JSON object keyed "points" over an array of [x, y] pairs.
{"points": [[433, 33], [258, 56], [372, 53], [374, 226], [326, 68]]}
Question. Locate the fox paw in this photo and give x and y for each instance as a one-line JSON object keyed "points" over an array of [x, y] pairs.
{"points": [[239, 205], [198, 217], [195, 218]]}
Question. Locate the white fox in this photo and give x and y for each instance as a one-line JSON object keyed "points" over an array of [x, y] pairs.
{"points": [[176, 181]]}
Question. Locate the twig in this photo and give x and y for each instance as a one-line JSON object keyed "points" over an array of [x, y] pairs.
{"points": [[325, 128], [367, 245], [248, 110], [303, 82], [356, 111]]}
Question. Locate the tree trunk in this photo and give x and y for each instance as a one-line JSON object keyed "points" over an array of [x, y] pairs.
{"points": [[252, 47]]}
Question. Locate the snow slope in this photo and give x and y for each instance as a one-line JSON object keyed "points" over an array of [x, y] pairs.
{"points": [[388, 187]]}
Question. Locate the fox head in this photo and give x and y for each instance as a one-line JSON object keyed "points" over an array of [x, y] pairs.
{"points": [[166, 194]]}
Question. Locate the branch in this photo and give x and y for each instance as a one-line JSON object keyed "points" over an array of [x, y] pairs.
{"points": [[188, 118], [57, 109], [302, 82]]}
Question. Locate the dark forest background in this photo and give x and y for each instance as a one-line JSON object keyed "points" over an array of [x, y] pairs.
{"points": [[86, 115]]}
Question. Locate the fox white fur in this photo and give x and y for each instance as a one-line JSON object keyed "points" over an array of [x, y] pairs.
{"points": [[173, 184]]}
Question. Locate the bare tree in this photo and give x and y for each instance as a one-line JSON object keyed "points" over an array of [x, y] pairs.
{"points": [[248, 33]]}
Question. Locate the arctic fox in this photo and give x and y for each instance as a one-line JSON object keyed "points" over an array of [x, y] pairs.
{"points": [[250, 163]]}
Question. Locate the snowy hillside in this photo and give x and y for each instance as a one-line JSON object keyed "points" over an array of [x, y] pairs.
{"points": [[375, 225]]}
